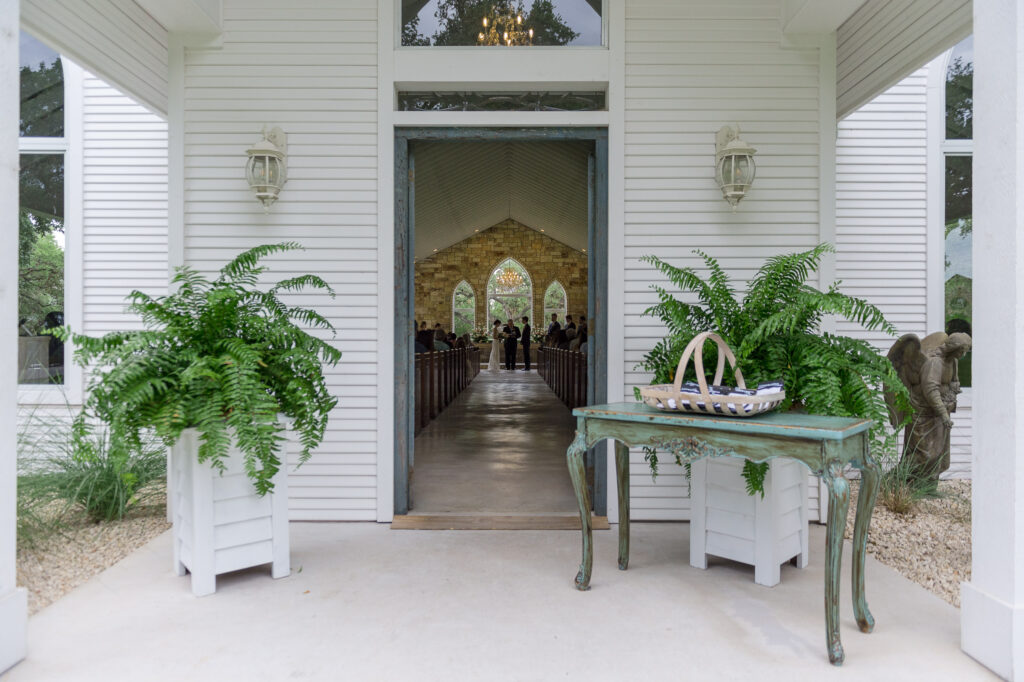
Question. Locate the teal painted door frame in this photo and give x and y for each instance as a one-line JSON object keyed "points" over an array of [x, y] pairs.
{"points": [[597, 279]]}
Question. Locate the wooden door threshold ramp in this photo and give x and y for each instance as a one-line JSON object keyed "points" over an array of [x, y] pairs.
{"points": [[493, 522]]}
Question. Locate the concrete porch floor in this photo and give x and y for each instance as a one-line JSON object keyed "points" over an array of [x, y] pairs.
{"points": [[367, 603]]}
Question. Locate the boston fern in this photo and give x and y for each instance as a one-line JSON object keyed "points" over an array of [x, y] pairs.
{"points": [[775, 331], [222, 356]]}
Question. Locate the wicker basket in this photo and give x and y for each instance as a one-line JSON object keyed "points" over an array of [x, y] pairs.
{"points": [[671, 396]]}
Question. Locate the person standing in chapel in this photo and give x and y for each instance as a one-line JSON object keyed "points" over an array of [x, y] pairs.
{"points": [[553, 327], [511, 336], [526, 342]]}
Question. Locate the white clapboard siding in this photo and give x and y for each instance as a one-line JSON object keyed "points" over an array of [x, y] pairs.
{"points": [[886, 40], [690, 69], [882, 223], [314, 74], [115, 38], [124, 238], [881, 207]]}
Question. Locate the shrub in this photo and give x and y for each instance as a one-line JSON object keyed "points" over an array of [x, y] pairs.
{"points": [[775, 331], [222, 356]]}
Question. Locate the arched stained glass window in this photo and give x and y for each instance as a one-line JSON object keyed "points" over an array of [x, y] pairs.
{"points": [[509, 292], [463, 309], [555, 301]]}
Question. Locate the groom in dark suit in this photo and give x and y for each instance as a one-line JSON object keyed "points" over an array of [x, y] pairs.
{"points": [[526, 342], [511, 334]]}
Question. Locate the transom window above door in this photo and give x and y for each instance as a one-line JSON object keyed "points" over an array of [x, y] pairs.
{"points": [[502, 23]]}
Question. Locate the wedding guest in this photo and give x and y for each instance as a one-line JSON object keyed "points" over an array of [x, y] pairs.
{"points": [[584, 347], [459, 342], [468, 340], [526, 343], [574, 339], [569, 324], [560, 340], [423, 324], [554, 326], [451, 338], [425, 338], [419, 347], [439, 343]]}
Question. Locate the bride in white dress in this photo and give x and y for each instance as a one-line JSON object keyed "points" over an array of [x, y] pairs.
{"points": [[493, 362]]}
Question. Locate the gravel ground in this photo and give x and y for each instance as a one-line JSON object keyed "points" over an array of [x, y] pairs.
{"points": [[931, 544], [83, 549]]}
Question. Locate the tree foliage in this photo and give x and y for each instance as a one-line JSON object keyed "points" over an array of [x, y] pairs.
{"points": [[223, 356], [959, 126], [42, 100]]}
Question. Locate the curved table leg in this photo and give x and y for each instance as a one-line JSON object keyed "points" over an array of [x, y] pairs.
{"points": [[622, 471], [838, 504], [577, 471], [869, 478]]}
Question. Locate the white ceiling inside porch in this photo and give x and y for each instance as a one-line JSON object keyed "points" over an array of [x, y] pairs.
{"points": [[464, 187]]}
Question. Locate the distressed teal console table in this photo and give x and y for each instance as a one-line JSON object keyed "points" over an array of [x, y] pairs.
{"points": [[824, 444]]}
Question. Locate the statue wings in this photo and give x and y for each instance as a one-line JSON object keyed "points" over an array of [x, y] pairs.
{"points": [[908, 356]]}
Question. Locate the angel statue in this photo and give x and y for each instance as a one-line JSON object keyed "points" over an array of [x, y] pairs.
{"points": [[928, 368]]}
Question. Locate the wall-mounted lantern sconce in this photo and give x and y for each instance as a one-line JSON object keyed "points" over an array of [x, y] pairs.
{"points": [[266, 169], [734, 164]]}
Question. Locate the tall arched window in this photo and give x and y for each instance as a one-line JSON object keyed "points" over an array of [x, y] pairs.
{"points": [[463, 308], [555, 301], [957, 153], [41, 245], [509, 292]]}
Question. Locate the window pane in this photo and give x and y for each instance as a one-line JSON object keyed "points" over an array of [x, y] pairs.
{"points": [[509, 292], [42, 90], [461, 22], [960, 92], [41, 268], [554, 302], [958, 253], [463, 309], [502, 101]]}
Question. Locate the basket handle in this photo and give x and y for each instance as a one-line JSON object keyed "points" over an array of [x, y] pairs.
{"points": [[696, 349]]}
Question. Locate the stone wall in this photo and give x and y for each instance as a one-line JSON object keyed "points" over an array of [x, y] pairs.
{"points": [[474, 259]]}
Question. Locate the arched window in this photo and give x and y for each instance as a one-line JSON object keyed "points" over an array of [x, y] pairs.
{"points": [[555, 301], [41, 252], [463, 308], [509, 292], [957, 153]]}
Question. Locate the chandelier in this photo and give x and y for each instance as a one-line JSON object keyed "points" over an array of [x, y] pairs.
{"points": [[509, 280], [505, 28]]}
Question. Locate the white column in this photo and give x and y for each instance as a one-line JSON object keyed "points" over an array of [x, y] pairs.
{"points": [[992, 603], [13, 601]]}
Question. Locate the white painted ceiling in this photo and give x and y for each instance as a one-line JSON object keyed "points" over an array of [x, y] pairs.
{"points": [[465, 187]]}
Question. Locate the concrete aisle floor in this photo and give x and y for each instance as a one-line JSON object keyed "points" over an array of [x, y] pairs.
{"points": [[366, 603], [499, 448]]}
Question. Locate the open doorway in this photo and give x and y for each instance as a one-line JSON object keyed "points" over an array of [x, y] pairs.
{"points": [[497, 224]]}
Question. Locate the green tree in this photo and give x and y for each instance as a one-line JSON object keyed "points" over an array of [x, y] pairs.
{"points": [[42, 100], [959, 126], [41, 283]]}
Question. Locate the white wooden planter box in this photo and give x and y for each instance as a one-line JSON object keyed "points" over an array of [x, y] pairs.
{"points": [[220, 523], [727, 522]]}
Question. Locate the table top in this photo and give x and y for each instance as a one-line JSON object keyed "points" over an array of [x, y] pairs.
{"points": [[786, 424]]}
